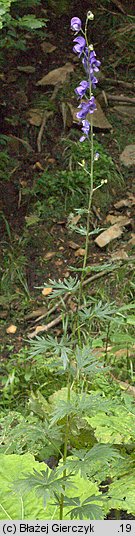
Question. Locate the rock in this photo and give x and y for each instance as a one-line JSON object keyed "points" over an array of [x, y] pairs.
{"points": [[99, 118], [127, 157]]}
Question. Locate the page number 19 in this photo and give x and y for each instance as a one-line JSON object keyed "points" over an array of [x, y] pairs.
{"points": [[126, 528]]}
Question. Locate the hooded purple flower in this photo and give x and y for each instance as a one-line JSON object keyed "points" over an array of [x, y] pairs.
{"points": [[81, 89], [76, 24], [91, 64], [94, 80], [85, 129], [86, 108], [79, 48], [94, 64]]}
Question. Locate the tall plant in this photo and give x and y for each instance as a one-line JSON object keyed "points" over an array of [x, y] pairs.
{"points": [[75, 408], [87, 107]]}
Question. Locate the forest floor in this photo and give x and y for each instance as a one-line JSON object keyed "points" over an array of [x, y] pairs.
{"points": [[40, 179]]}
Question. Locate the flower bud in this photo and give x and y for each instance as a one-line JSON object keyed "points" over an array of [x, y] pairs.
{"points": [[96, 156], [90, 15], [90, 47]]}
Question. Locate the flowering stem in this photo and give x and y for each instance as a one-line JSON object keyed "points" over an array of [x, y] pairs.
{"points": [[91, 178], [91, 66], [91, 170]]}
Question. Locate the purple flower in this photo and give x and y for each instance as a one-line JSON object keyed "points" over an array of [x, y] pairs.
{"points": [[94, 80], [85, 129], [76, 24], [81, 89], [86, 108], [91, 64], [79, 48], [94, 64]]}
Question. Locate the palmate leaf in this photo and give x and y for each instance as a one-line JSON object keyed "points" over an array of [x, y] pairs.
{"points": [[80, 405], [28, 436], [87, 493], [49, 345], [19, 434], [85, 509], [64, 409], [100, 311], [93, 403], [86, 360], [46, 484], [94, 462], [70, 285], [121, 339]]}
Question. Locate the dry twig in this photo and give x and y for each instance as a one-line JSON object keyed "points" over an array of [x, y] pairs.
{"points": [[115, 82], [121, 98]]}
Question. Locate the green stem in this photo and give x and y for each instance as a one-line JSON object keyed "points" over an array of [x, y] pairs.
{"points": [[89, 205], [65, 449]]}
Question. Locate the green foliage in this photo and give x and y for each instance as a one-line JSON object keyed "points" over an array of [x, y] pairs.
{"points": [[121, 492], [43, 434], [23, 504], [83, 359], [61, 287], [92, 463], [21, 434], [14, 267], [30, 22], [19, 505], [115, 428], [84, 509], [75, 153], [18, 373], [16, 25], [68, 188], [4, 8], [30, 3]]}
